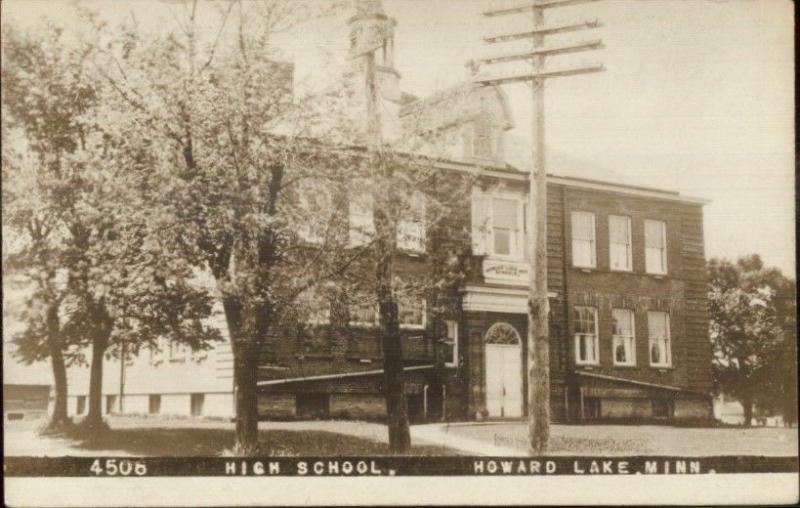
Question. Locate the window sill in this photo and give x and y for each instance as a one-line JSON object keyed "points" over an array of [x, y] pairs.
{"points": [[411, 253], [663, 368], [624, 366], [621, 270]]}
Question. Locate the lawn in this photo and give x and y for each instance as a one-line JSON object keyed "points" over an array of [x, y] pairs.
{"points": [[206, 438], [188, 442], [641, 439]]}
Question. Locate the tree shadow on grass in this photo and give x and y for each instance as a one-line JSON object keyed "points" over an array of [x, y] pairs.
{"points": [[168, 442]]}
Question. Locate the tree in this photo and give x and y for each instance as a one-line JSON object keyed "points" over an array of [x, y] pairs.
{"points": [[752, 328], [237, 145], [45, 91], [94, 222]]}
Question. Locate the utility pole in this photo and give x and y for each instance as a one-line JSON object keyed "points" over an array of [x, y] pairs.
{"points": [[538, 305]]}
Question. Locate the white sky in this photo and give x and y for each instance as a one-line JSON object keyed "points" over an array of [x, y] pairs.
{"points": [[697, 96]]}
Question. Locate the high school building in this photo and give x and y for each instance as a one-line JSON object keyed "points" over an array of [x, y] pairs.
{"points": [[628, 326]]}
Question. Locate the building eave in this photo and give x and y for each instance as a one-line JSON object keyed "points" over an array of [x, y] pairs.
{"points": [[338, 375], [618, 379]]}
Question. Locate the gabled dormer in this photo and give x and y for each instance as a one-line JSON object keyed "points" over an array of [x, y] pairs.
{"points": [[465, 122]]}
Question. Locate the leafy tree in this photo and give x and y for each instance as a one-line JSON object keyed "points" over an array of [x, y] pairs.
{"points": [[93, 221], [752, 330], [236, 154], [45, 91]]}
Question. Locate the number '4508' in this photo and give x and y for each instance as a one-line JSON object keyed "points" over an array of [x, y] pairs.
{"points": [[118, 467]]}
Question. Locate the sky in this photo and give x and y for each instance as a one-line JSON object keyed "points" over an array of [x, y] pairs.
{"points": [[697, 96]]}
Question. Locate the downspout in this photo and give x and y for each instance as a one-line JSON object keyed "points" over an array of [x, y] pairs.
{"points": [[425, 402], [565, 293], [444, 402]]}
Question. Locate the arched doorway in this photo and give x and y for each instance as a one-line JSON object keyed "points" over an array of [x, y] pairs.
{"points": [[503, 348]]}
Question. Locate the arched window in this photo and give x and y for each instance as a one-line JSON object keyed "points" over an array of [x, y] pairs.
{"points": [[502, 333]]}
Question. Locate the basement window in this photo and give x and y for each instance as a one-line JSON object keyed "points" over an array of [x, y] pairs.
{"points": [[154, 404], [662, 408]]}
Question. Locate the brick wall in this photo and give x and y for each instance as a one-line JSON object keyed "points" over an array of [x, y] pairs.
{"points": [[681, 292]]}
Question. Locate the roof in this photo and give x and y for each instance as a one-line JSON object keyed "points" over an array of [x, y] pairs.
{"points": [[635, 382], [336, 375]]}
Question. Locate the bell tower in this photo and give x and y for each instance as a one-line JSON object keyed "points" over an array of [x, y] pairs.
{"points": [[372, 29]]}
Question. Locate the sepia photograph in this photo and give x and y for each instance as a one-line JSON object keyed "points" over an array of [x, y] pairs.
{"points": [[427, 252]]}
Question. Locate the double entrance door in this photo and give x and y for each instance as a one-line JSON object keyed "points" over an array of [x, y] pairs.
{"points": [[504, 380]]}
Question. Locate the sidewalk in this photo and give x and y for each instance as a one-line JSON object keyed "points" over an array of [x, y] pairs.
{"points": [[439, 434]]}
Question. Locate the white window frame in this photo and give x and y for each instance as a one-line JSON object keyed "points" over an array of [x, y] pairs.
{"points": [[662, 270], [411, 230], [177, 351], [592, 241], [517, 239], [364, 324], [666, 339], [628, 341], [311, 299], [596, 341], [628, 245], [310, 230], [157, 351], [361, 224], [452, 340], [413, 326]]}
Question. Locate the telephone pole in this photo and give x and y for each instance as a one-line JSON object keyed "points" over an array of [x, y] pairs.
{"points": [[538, 306]]}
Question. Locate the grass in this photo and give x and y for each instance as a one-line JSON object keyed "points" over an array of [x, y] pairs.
{"points": [[193, 442], [642, 440]]}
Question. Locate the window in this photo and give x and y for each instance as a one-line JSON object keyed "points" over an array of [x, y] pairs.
{"points": [[505, 226], [157, 351], [655, 246], [498, 225], [154, 404], [624, 337], [177, 351], [619, 239], [591, 408], [81, 405], [362, 227], [363, 312], [111, 404], [583, 240], [411, 227], [313, 308], [586, 343], [662, 408], [451, 344], [196, 404], [314, 203], [199, 355], [411, 311], [658, 330]]}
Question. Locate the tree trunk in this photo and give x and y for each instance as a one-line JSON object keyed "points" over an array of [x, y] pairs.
{"points": [[95, 416], [747, 404], [58, 418], [396, 413], [385, 248], [245, 376]]}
